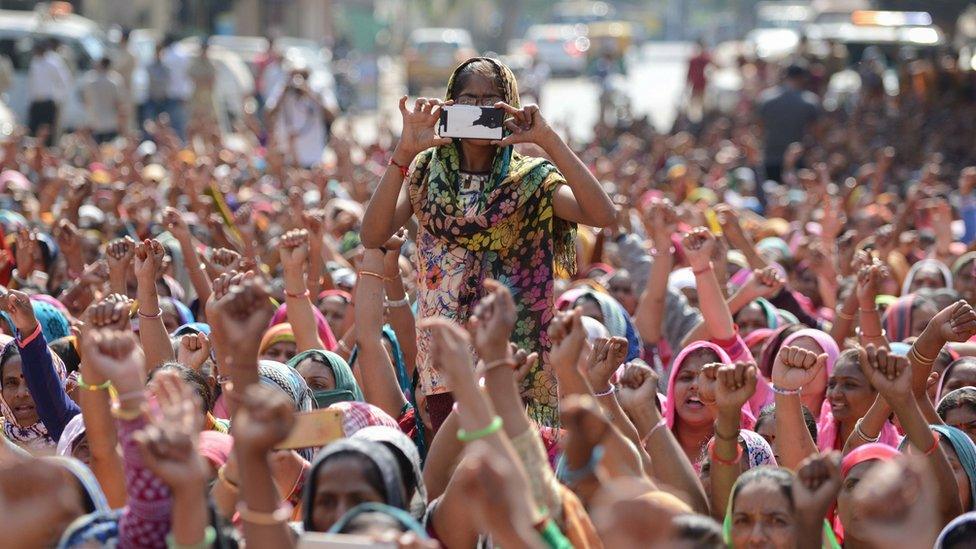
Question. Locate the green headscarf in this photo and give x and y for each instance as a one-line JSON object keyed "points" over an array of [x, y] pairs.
{"points": [[346, 388]]}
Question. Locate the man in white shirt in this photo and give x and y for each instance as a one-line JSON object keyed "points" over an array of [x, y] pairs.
{"points": [[105, 102], [45, 89], [300, 118], [180, 86]]}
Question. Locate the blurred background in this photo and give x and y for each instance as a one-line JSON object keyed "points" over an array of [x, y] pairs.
{"points": [[581, 60]]}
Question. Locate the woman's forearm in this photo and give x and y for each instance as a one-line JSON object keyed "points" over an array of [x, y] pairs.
{"points": [[379, 220], [595, 206], [871, 424], [198, 277], [106, 463], [300, 314], [714, 310], [152, 332], [793, 441], [724, 469], [401, 319], [650, 310]]}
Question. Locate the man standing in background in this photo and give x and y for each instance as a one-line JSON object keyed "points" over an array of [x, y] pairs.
{"points": [[124, 64], [180, 86], [105, 103], [787, 113], [44, 87]]}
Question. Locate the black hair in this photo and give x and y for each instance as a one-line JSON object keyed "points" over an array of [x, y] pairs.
{"points": [[406, 468], [782, 478], [10, 350], [769, 411], [193, 378], [850, 355], [956, 399], [483, 67], [959, 536], [941, 297], [66, 351], [699, 531]]}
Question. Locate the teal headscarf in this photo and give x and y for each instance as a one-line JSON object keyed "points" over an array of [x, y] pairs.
{"points": [[346, 388], [406, 522], [966, 452]]}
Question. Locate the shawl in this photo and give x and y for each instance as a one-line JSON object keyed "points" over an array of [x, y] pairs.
{"points": [[73, 432], [277, 333], [669, 412], [957, 533], [401, 444], [511, 235], [360, 415], [756, 337], [407, 522], [897, 319], [376, 453], [325, 333], [965, 451], [32, 437], [97, 502], [182, 311], [215, 446], [913, 272], [616, 320], [758, 451], [346, 387], [276, 374]]}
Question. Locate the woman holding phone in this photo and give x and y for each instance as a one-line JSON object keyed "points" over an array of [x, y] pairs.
{"points": [[486, 211]]}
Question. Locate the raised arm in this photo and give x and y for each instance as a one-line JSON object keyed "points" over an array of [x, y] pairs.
{"points": [[659, 222], [792, 369], [152, 332], [191, 260], [119, 253], [389, 207], [815, 489], [698, 245], [398, 312], [379, 379], [728, 218], [293, 249], [868, 280], [956, 323], [735, 385]]}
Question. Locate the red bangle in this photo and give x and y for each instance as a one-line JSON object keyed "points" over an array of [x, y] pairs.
{"points": [[935, 443], [727, 463], [303, 294], [403, 169], [703, 270]]}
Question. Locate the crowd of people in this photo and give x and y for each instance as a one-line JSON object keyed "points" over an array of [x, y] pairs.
{"points": [[756, 330]]}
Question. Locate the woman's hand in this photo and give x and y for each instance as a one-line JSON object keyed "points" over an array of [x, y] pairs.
{"points": [[526, 125], [114, 355], [816, 486], [607, 355], [568, 339], [18, 306], [957, 322], [120, 253], [868, 281], [764, 283], [149, 256], [27, 252], [194, 350], [391, 254], [239, 312], [736, 385], [889, 374], [223, 260], [293, 249], [264, 418], [698, 246], [451, 351], [418, 129], [795, 367], [493, 321], [176, 225], [660, 220], [638, 387], [708, 382], [169, 443], [111, 312]]}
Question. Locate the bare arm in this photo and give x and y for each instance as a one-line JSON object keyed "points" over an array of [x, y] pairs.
{"points": [[698, 246], [293, 249], [399, 316], [152, 331], [650, 310], [792, 369], [734, 387]]}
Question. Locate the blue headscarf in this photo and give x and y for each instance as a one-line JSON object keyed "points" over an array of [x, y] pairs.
{"points": [[965, 451], [191, 328], [616, 320], [182, 311], [53, 323]]}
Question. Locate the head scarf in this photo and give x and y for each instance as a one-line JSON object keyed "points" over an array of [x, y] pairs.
{"points": [[756, 337], [897, 318], [342, 294], [960, 530], [192, 328], [961, 262], [407, 522], [516, 227], [215, 446], [616, 320], [183, 312], [99, 503], [828, 427], [360, 415], [73, 432], [378, 454], [946, 274], [867, 452], [34, 437], [279, 333], [942, 398], [346, 387], [670, 413], [774, 248], [67, 350], [399, 363], [325, 333], [682, 278], [965, 451], [758, 451], [404, 446], [594, 330], [276, 374], [947, 372], [54, 324], [824, 341]]}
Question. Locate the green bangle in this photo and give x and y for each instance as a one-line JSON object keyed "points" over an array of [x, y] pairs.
{"points": [[87, 387], [553, 537], [209, 537], [471, 436]]}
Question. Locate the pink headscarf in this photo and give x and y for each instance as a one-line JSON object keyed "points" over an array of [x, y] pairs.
{"points": [[325, 333], [869, 452], [670, 414], [216, 447]]}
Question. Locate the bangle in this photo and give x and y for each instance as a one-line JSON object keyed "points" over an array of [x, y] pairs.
{"points": [[209, 537], [303, 294], [126, 415], [222, 476], [130, 395], [278, 516], [935, 444], [87, 387], [919, 358], [403, 169], [872, 310], [610, 390], [703, 270], [843, 315], [405, 302], [464, 435], [344, 347], [372, 274], [663, 422], [728, 463], [784, 392], [572, 476], [860, 433], [488, 366], [157, 314], [857, 332], [720, 436]]}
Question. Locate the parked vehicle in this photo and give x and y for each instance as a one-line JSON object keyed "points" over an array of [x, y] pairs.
{"points": [[433, 53], [561, 47], [778, 28]]}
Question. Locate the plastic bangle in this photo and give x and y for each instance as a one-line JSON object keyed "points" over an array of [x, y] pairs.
{"points": [[572, 476], [471, 436], [405, 302], [860, 433], [372, 274], [157, 314], [209, 537], [784, 392], [487, 367], [935, 444], [130, 395], [727, 463], [222, 476], [403, 169], [126, 415], [703, 270], [611, 390], [87, 387], [280, 515], [303, 294], [843, 315], [657, 427]]}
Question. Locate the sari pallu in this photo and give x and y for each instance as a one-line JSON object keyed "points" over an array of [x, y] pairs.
{"points": [[511, 235]]}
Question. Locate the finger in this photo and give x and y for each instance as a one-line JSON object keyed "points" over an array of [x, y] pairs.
{"points": [[507, 108], [402, 104]]}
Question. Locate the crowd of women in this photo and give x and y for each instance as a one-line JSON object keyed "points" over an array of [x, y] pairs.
{"points": [[513, 358]]}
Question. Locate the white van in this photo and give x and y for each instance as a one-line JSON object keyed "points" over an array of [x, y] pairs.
{"points": [[82, 40]]}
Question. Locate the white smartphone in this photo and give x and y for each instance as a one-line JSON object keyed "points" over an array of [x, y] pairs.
{"points": [[471, 122]]}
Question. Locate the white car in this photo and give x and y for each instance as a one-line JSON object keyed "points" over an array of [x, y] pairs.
{"points": [[562, 47]]}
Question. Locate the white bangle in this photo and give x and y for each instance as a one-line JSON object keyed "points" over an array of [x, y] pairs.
{"points": [[405, 302], [786, 392], [608, 392]]}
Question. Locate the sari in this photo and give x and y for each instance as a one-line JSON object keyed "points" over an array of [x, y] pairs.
{"points": [[510, 234]]}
